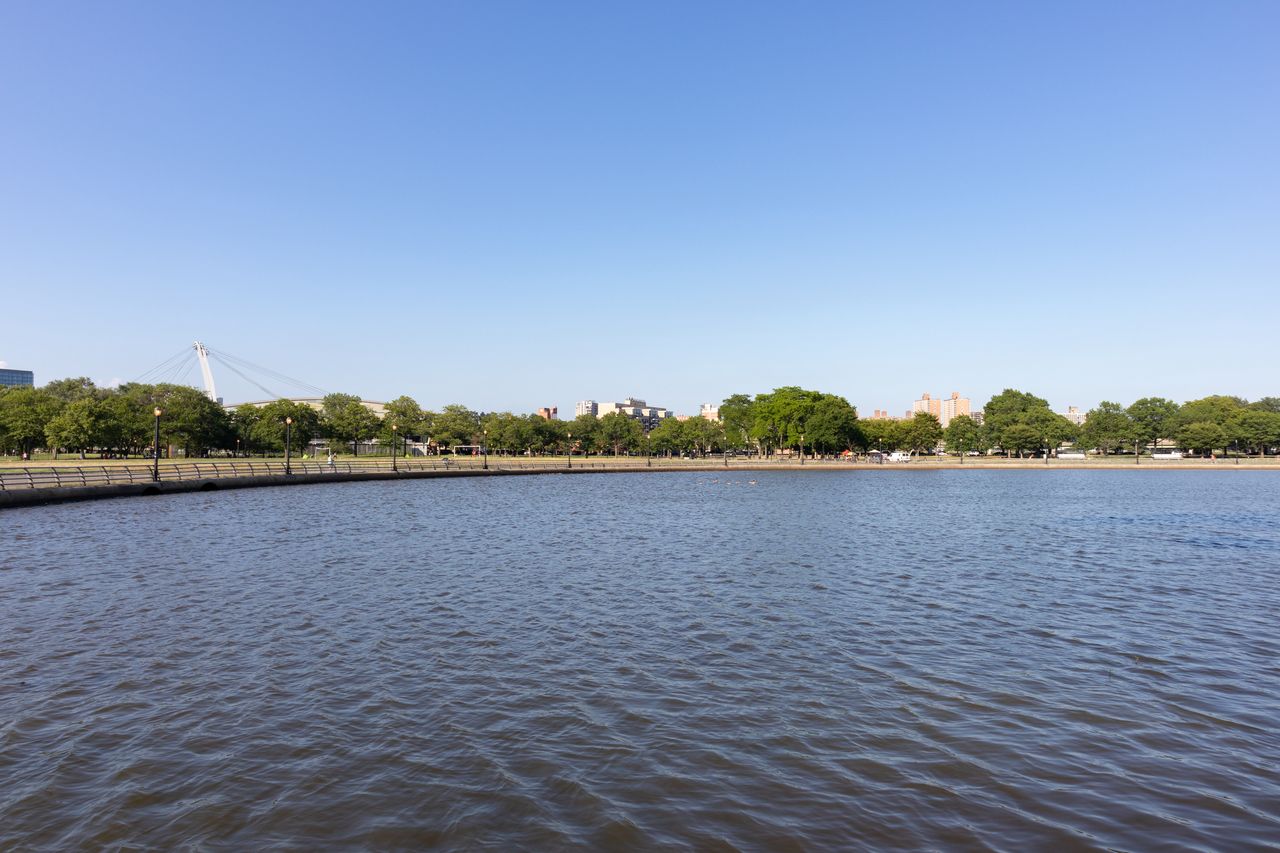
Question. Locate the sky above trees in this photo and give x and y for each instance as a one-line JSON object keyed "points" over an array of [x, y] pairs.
{"points": [[529, 204]]}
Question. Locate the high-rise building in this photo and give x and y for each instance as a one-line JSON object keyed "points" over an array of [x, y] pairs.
{"points": [[14, 378], [586, 407], [953, 407], [1074, 415], [926, 404], [551, 413], [882, 415], [710, 412]]}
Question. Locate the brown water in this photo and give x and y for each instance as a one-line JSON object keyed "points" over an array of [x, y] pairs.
{"points": [[817, 660]]}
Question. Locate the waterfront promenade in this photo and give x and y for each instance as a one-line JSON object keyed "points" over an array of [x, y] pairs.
{"points": [[25, 485]]}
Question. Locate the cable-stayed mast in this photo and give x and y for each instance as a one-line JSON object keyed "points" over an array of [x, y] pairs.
{"points": [[202, 353]]}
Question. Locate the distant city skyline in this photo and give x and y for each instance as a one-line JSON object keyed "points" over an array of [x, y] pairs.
{"points": [[943, 408], [515, 206]]}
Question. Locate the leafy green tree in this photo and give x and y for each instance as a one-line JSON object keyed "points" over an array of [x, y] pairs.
{"points": [[125, 426], [406, 416], [617, 431], [782, 417], [244, 423], [1019, 438], [1216, 409], [737, 415], [922, 432], [583, 429], [1031, 414], [963, 435], [346, 419], [456, 425], [1254, 430], [884, 434], [1007, 408], [1267, 404], [1202, 436], [71, 389], [1153, 418], [269, 428], [832, 425], [25, 414], [78, 427], [1107, 428], [1053, 428], [668, 437], [702, 435], [548, 434]]}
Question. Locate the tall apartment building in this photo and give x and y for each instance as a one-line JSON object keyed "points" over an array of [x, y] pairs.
{"points": [[882, 415], [586, 407], [710, 412], [927, 404], [1074, 415], [15, 378], [943, 410], [953, 407], [551, 413]]}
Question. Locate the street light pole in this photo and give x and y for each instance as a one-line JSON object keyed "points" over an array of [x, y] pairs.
{"points": [[394, 429], [570, 449], [288, 445], [648, 456], [1137, 460], [801, 448], [155, 463], [486, 449]]}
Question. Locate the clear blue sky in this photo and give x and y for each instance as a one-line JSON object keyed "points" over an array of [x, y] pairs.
{"points": [[515, 204]]}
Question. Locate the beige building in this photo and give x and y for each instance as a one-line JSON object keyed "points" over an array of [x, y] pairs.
{"points": [[710, 412], [953, 407], [927, 404], [1074, 415]]}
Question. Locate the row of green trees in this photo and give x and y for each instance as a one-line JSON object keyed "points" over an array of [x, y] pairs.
{"points": [[1017, 422], [74, 415]]}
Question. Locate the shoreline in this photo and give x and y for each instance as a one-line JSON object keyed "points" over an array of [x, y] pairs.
{"points": [[41, 485]]}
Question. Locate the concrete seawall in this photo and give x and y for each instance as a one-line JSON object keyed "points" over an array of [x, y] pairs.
{"points": [[37, 497], [63, 494]]}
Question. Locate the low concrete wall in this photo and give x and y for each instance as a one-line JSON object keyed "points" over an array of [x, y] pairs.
{"points": [[36, 497]]}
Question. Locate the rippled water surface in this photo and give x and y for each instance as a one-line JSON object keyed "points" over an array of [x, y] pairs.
{"points": [[1020, 660]]}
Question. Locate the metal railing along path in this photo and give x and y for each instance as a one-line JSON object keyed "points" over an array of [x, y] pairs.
{"points": [[66, 476]]}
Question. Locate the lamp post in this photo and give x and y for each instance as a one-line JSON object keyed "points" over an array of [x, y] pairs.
{"points": [[288, 434], [237, 448], [155, 463], [569, 451], [1046, 450], [1137, 459], [801, 448], [394, 429], [648, 456], [485, 433]]}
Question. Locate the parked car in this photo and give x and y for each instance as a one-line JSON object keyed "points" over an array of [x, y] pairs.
{"points": [[899, 456]]}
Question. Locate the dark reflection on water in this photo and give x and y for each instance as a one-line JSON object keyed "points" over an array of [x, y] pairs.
{"points": [[819, 660]]}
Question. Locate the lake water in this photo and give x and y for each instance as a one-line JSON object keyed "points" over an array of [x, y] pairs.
{"points": [[817, 660]]}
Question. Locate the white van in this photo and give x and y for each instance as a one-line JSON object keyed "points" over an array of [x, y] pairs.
{"points": [[899, 456], [1166, 453]]}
